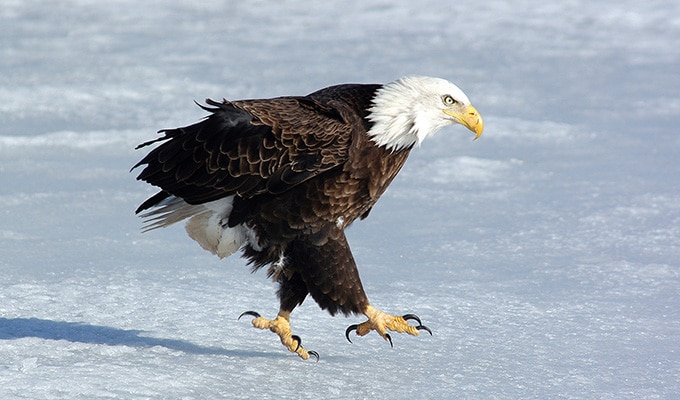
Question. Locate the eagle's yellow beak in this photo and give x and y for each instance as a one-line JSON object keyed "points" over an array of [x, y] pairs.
{"points": [[469, 118]]}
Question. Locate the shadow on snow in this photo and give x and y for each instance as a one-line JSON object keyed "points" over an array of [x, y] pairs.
{"points": [[18, 328]]}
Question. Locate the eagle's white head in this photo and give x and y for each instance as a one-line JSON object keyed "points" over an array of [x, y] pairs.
{"points": [[410, 109]]}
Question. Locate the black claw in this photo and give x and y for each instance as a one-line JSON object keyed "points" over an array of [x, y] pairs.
{"points": [[311, 353], [420, 325], [296, 337], [412, 317], [389, 339], [350, 329], [252, 313], [424, 328]]}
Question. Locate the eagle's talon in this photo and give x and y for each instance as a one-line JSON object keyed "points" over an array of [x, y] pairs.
{"points": [[420, 325], [389, 339], [251, 313], [412, 317], [299, 346], [299, 341], [350, 329], [424, 328]]}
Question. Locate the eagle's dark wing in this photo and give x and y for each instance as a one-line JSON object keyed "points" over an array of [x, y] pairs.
{"points": [[247, 148]]}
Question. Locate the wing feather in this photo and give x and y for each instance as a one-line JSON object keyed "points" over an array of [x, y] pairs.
{"points": [[248, 148]]}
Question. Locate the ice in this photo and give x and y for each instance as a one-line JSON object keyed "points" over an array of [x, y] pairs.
{"points": [[544, 256]]}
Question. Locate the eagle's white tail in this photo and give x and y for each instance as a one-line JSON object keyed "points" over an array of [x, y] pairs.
{"points": [[207, 224]]}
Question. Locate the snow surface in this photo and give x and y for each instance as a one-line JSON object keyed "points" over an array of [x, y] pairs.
{"points": [[545, 256]]}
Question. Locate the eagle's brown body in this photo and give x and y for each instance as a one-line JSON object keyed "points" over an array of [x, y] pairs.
{"points": [[262, 151], [282, 178]]}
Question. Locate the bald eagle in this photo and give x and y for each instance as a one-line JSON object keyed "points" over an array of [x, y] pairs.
{"points": [[281, 179]]}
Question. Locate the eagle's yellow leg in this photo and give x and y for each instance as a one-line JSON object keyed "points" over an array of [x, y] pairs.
{"points": [[281, 326], [381, 322]]}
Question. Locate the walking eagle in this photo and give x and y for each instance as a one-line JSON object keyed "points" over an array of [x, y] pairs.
{"points": [[282, 178]]}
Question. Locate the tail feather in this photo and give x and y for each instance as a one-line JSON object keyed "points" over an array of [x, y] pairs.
{"points": [[170, 211], [213, 235], [207, 223]]}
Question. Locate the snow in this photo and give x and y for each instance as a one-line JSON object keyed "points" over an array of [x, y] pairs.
{"points": [[544, 256]]}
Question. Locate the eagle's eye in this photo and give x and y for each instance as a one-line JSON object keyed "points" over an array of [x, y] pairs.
{"points": [[448, 100]]}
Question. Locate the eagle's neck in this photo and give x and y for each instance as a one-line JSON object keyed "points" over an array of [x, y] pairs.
{"points": [[397, 116]]}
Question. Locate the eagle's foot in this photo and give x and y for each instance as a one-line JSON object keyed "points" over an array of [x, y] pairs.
{"points": [[281, 326], [381, 322]]}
